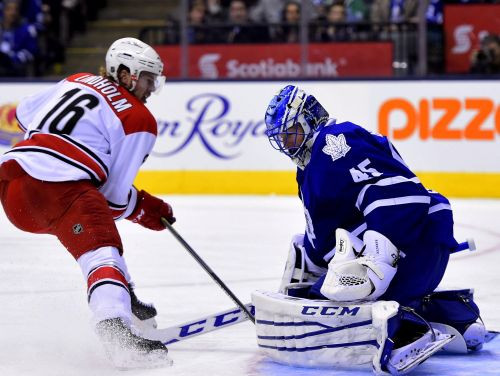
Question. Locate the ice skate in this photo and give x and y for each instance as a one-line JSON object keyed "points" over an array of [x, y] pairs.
{"points": [[144, 314], [127, 350], [475, 336]]}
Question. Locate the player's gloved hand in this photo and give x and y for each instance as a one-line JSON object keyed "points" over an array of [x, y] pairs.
{"points": [[149, 210]]}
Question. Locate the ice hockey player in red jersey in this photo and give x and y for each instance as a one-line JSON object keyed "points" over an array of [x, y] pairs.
{"points": [[72, 177]]}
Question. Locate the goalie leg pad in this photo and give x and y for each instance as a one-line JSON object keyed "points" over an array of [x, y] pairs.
{"points": [[315, 333], [322, 333]]}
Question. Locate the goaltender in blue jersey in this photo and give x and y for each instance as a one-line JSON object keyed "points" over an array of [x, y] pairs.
{"points": [[356, 180], [352, 179], [373, 231]]}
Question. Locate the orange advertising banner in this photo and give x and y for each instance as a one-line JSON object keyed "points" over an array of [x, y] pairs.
{"points": [[436, 119]]}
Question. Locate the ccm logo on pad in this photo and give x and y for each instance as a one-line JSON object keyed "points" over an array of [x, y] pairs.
{"points": [[329, 311], [440, 119]]}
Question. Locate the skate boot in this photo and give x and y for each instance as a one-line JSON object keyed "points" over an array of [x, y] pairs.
{"points": [[126, 350], [475, 336], [144, 313]]}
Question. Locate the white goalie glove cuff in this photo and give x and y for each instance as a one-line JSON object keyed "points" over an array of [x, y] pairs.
{"points": [[357, 273]]}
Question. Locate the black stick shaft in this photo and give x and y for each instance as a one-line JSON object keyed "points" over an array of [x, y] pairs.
{"points": [[207, 268]]}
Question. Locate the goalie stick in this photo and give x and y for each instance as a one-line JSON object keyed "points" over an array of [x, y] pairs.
{"points": [[199, 326], [468, 244]]}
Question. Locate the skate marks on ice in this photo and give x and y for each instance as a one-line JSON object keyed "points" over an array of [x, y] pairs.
{"points": [[478, 219], [492, 246]]}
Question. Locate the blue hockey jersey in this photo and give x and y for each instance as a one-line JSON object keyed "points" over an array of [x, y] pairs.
{"points": [[356, 180]]}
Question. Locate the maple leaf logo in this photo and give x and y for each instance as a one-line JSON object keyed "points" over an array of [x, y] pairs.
{"points": [[336, 146]]}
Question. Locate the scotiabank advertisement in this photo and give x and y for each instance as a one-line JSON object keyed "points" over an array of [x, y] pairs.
{"points": [[465, 25], [281, 60], [437, 126]]}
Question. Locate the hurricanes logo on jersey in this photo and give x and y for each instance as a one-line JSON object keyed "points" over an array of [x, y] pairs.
{"points": [[336, 146]]}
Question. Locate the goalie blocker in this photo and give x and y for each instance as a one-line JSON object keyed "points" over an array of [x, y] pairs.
{"points": [[322, 333]]}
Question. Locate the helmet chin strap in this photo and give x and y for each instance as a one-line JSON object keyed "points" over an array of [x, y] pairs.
{"points": [[133, 84]]}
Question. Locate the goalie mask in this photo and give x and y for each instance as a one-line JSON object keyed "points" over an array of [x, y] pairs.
{"points": [[138, 57], [292, 118]]}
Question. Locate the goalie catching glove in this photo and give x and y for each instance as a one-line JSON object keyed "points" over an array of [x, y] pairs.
{"points": [[360, 271]]}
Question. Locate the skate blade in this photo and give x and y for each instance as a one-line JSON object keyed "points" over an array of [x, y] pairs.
{"points": [[404, 364], [144, 325], [491, 335]]}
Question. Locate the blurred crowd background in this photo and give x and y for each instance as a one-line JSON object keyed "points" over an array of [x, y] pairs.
{"points": [[52, 38]]}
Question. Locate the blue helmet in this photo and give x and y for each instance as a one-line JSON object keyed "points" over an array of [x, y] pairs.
{"points": [[292, 119]]}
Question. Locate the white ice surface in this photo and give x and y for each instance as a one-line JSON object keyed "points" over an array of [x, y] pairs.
{"points": [[44, 319]]}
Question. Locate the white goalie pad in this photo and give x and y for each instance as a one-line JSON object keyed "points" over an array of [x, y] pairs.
{"points": [[317, 333], [322, 333]]}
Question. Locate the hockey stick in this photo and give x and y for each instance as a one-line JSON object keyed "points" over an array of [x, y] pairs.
{"points": [[468, 244], [199, 326], [204, 265]]}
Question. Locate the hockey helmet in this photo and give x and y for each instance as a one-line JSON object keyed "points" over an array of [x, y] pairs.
{"points": [[290, 107], [138, 57]]}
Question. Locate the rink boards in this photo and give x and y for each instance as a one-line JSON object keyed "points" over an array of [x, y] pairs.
{"points": [[211, 134]]}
